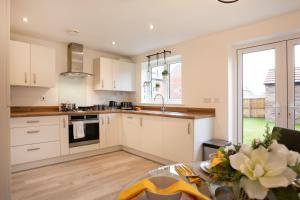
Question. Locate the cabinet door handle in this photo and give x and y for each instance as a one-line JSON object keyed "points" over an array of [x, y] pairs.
{"points": [[25, 76], [33, 149], [32, 132], [114, 84], [108, 120], [189, 128], [102, 122], [129, 117], [32, 121], [141, 121], [64, 122], [34, 78], [102, 83]]}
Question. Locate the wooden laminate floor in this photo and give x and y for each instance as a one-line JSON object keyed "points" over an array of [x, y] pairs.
{"points": [[97, 177]]}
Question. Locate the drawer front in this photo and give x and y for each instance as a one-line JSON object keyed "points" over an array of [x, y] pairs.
{"points": [[33, 135], [34, 152], [34, 121]]}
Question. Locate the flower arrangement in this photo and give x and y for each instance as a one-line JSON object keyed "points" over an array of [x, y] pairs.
{"points": [[265, 166]]}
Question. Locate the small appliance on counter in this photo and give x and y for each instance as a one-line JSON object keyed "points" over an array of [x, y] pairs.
{"points": [[113, 104], [126, 106], [67, 107]]}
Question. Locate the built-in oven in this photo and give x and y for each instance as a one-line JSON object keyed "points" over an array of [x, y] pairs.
{"points": [[90, 128]]}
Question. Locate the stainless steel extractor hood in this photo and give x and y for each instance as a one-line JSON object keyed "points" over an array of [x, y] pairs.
{"points": [[75, 61]]}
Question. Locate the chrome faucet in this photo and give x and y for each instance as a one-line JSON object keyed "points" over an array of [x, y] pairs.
{"points": [[162, 108]]}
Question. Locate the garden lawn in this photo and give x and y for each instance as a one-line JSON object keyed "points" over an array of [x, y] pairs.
{"points": [[255, 128]]}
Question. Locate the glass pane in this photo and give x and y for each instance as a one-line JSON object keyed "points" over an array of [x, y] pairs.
{"points": [[175, 81], [259, 83], [297, 87], [158, 86]]}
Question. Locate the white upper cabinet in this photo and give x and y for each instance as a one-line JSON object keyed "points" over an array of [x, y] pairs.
{"points": [[113, 74], [31, 65], [103, 72], [19, 63], [124, 76], [42, 60]]}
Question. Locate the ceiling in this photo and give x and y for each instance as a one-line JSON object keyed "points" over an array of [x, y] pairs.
{"points": [[127, 21]]}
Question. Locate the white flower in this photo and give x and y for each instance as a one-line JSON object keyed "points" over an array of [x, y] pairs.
{"points": [[263, 170], [228, 148], [292, 156]]}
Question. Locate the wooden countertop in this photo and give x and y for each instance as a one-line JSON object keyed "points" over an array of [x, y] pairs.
{"points": [[176, 114]]}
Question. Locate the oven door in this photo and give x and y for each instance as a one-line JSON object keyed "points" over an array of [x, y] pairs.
{"points": [[91, 132]]}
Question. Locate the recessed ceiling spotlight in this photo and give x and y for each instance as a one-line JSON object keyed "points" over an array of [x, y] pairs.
{"points": [[113, 43], [228, 1], [25, 19], [151, 26]]}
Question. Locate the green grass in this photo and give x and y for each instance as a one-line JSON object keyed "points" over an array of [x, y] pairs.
{"points": [[255, 128]]}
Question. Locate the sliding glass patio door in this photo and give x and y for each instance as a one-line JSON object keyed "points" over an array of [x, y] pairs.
{"points": [[262, 90], [293, 52]]}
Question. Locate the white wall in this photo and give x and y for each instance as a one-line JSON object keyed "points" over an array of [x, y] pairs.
{"points": [[4, 101], [79, 91], [205, 64]]}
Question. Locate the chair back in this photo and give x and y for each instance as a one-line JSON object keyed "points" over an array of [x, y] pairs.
{"points": [[290, 138]]}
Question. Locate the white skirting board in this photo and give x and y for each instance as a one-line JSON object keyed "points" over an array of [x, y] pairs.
{"points": [[51, 161]]}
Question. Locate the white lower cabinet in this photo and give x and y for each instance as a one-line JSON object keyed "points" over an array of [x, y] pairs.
{"points": [[33, 152], [109, 130], [174, 139], [178, 139], [132, 136], [151, 130], [37, 138], [32, 135]]}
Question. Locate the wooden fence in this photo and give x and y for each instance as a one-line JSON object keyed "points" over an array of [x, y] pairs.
{"points": [[254, 107]]}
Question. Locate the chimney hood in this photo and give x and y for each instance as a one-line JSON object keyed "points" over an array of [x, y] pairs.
{"points": [[75, 61]]}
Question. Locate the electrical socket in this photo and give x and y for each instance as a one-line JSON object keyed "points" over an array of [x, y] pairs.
{"points": [[207, 100]]}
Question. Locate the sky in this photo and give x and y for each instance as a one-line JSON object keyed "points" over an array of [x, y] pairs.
{"points": [[256, 66]]}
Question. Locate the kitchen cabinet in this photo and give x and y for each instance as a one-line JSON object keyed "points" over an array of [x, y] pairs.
{"points": [[178, 139], [132, 136], [152, 132], [116, 75], [31, 65], [42, 62], [103, 74], [19, 63], [64, 135], [109, 130], [35, 138], [174, 139], [124, 76]]}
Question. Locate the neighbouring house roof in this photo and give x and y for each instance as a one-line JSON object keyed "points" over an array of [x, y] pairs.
{"points": [[270, 78]]}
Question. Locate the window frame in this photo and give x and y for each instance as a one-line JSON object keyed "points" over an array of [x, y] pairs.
{"points": [[170, 61]]}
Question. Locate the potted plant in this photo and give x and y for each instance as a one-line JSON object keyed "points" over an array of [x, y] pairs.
{"points": [[263, 169], [165, 74], [157, 86]]}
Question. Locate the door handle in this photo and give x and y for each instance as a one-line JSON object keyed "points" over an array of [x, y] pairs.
{"points": [[102, 82], [32, 132], [25, 76], [114, 84], [129, 117], [32, 121], [189, 128], [33, 149], [34, 78], [64, 122], [141, 121], [108, 120]]}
